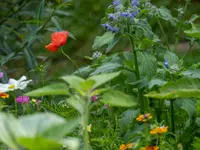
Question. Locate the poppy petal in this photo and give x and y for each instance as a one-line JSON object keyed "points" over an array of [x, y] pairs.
{"points": [[52, 47], [59, 38]]}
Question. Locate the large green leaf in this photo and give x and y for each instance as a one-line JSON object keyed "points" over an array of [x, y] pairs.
{"points": [[106, 68], [103, 78], [100, 41], [147, 64], [171, 58], [46, 127], [53, 89], [119, 99], [183, 88], [165, 14], [38, 143], [194, 31], [76, 102], [73, 81]]}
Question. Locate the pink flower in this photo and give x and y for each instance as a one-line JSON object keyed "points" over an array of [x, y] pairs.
{"points": [[22, 99], [1, 74], [94, 98]]}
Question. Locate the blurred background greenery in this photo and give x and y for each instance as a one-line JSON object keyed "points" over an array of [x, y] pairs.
{"points": [[19, 22]]}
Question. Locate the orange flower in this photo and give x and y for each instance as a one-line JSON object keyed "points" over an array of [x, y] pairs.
{"points": [[159, 130], [4, 95], [123, 147], [57, 39], [150, 148], [144, 117], [126, 146]]}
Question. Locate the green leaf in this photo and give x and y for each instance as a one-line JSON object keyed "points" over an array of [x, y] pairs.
{"points": [[146, 43], [30, 59], [140, 83], [40, 12], [165, 14], [113, 43], [55, 22], [194, 31], [74, 81], [53, 89], [106, 38], [147, 64], [103, 78], [119, 99], [183, 88], [171, 58], [76, 102], [39, 143], [106, 68], [192, 73], [156, 82]]}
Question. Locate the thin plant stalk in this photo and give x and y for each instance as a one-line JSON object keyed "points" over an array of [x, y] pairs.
{"points": [[137, 73], [85, 125], [163, 33], [75, 64], [181, 24], [16, 108], [172, 116]]}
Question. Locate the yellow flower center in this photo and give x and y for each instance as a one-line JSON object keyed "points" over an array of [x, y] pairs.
{"points": [[11, 86]]}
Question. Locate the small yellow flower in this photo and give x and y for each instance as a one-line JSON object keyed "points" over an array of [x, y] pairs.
{"points": [[89, 128], [144, 117], [150, 148], [4, 95], [159, 130]]}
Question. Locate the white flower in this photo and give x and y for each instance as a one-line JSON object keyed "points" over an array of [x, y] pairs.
{"points": [[15, 84]]}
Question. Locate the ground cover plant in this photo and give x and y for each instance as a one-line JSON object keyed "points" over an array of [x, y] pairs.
{"points": [[140, 98]]}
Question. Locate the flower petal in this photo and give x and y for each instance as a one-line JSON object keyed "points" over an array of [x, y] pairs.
{"points": [[22, 85], [52, 47], [4, 88], [59, 38]]}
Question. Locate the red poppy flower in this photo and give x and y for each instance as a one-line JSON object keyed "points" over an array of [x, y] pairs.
{"points": [[51, 47], [57, 39]]}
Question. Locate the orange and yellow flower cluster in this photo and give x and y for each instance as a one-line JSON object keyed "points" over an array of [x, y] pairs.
{"points": [[4, 95], [144, 117], [150, 148], [126, 146], [159, 130]]}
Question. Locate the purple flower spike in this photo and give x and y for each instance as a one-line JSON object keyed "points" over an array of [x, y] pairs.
{"points": [[1, 74], [166, 63], [22, 99]]}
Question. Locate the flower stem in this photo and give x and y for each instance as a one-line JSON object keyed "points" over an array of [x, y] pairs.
{"points": [[137, 73], [181, 24], [172, 116], [86, 119], [163, 32], [71, 61]]}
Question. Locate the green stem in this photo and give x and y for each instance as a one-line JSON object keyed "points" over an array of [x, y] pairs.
{"points": [[181, 24], [71, 61], [137, 73], [163, 32], [172, 116], [190, 48], [86, 119]]}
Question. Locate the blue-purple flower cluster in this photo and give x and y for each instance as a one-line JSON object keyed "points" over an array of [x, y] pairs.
{"points": [[129, 14], [135, 3], [110, 28], [116, 3]]}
